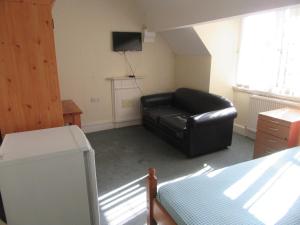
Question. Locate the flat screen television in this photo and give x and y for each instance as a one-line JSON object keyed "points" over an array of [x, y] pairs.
{"points": [[127, 41]]}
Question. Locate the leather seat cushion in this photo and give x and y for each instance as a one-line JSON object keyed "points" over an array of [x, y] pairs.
{"points": [[174, 124], [154, 114]]}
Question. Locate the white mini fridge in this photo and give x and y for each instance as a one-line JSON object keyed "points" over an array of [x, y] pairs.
{"points": [[48, 177]]}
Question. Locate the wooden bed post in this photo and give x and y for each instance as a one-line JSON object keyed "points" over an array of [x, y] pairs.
{"points": [[151, 195]]}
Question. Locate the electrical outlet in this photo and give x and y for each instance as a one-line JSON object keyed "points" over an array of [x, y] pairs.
{"points": [[95, 99]]}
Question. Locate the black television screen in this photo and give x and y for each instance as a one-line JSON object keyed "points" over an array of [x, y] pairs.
{"points": [[127, 41]]}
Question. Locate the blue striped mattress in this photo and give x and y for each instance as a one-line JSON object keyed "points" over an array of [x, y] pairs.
{"points": [[261, 191]]}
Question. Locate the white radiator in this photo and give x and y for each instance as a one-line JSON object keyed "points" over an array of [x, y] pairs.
{"points": [[260, 104]]}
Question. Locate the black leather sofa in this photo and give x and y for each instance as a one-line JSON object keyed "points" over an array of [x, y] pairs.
{"points": [[194, 121]]}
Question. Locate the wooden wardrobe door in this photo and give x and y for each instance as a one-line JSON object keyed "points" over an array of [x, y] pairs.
{"points": [[29, 88]]}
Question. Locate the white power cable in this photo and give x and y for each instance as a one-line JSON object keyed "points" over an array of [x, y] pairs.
{"points": [[132, 71]]}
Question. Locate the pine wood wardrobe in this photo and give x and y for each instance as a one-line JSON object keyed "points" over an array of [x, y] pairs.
{"points": [[29, 88]]}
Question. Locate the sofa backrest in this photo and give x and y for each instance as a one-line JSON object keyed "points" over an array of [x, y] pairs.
{"points": [[157, 99], [196, 102]]}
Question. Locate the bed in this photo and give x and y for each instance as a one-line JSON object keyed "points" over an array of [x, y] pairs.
{"points": [[260, 191]]}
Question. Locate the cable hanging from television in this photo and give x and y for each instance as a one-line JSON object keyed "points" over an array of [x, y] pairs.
{"points": [[132, 72]]}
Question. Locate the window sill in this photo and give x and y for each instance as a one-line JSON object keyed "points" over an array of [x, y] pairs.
{"points": [[266, 94]]}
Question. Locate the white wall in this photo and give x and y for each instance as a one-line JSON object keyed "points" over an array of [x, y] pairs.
{"points": [[222, 41], [222, 38], [83, 46], [241, 101], [193, 71], [185, 41], [166, 14], [192, 60]]}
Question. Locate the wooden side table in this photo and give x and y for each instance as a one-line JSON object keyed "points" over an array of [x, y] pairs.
{"points": [[71, 113], [277, 130]]}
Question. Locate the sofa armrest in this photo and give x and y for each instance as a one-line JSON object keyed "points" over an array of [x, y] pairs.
{"points": [[157, 99], [212, 117]]}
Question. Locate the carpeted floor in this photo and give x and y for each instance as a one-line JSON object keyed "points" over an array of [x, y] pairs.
{"points": [[123, 157]]}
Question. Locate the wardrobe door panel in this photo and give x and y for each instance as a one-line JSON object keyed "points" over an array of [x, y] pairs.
{"points": [[29, 88]]}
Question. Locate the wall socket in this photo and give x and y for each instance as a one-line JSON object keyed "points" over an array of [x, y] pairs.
{"points": [[94, 99]]}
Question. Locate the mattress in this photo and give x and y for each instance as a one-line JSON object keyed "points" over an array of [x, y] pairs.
{"points": [[261, 191]]}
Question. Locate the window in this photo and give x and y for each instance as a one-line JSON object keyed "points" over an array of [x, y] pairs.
{"points": [[269, 59]]}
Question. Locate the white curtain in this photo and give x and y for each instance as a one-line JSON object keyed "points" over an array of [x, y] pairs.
{"points": [[269, 58]]}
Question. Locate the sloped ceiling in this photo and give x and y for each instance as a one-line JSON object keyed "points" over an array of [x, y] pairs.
{"points": [[185, 41], [169, 14]]}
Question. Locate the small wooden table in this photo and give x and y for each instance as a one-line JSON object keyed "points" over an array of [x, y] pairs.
{"points": [[71, 113]]}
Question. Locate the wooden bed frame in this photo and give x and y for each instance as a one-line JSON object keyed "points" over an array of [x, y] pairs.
{"points": [[156, 213]]}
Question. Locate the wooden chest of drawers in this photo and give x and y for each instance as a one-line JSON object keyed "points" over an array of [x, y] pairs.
{"points": [[277, 130]]}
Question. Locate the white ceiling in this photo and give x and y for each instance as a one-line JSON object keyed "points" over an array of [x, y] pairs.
{"points": [[185, 41], [169, 14]]}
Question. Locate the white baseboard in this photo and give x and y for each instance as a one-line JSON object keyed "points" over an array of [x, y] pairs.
{"points": [[251, 134], [239, 129], [242, 130], [127, 123], [99, 126]]}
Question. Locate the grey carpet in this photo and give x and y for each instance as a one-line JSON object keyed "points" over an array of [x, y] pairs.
{"points": [[124, 155]]}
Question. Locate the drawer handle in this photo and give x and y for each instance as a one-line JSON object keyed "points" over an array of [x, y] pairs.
{"points": [[273, 129], [273, 121], [272, 141]]}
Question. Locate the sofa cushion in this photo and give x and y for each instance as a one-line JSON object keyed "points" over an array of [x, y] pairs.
{"points": [[154, 114], [175, 124]]}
